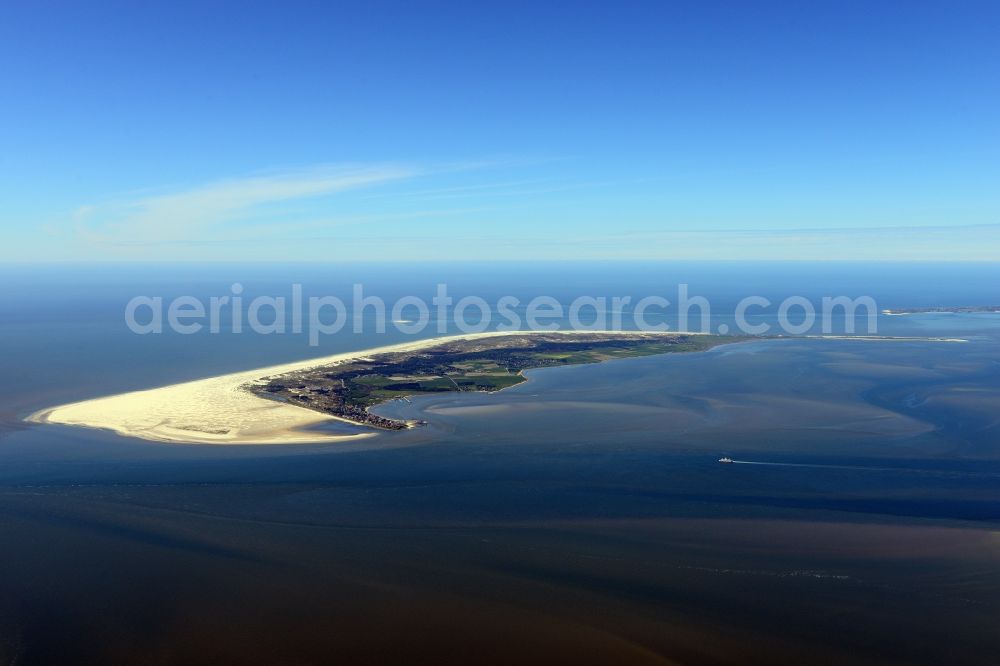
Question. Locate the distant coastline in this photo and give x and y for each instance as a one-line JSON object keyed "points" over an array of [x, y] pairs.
{"points": [[962, 309]]}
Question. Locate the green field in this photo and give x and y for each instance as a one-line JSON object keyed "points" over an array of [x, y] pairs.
{"points": [[349, 390]]}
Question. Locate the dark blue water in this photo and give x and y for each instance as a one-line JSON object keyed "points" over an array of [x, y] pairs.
{"points": [[582, 512]]}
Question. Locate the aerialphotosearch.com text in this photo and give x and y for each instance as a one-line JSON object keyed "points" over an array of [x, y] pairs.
{"points": [[361, 312]]}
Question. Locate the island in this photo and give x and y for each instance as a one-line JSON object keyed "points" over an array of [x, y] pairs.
{"points": [[960, 309], [287, 403], [348, 390]]}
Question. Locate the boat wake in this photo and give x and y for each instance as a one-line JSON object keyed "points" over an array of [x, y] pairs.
{"points": [[812, 465]]}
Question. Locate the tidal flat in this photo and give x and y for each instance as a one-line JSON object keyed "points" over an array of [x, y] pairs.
{"points": [[581, 515]]}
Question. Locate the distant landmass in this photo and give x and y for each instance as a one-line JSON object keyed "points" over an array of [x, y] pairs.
{"points": [[348, 390], [961, 309]]}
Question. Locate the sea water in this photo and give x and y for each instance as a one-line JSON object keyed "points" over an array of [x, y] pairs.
{"points": [[586, 487]]}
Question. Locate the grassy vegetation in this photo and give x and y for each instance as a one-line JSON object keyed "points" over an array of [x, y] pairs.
{"points": [[473, 375], [349, 390], [488, 374]]}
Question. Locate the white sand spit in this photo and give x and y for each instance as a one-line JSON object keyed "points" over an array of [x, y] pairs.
{"points": [[219, 410]]}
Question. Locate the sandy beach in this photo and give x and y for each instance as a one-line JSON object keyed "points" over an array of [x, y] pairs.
{"points": [[217, 410]]}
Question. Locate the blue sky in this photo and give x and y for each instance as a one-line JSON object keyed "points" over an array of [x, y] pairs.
{"points": [[694, 130]]}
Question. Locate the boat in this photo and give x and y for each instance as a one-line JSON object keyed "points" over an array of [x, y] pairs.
{"points": [[726, 460]]}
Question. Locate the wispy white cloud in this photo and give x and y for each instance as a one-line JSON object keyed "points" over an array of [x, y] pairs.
{"points": [[521, 192], [461, 189], [913, 243], [302, 232], [316, 213], [201, 210]]}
